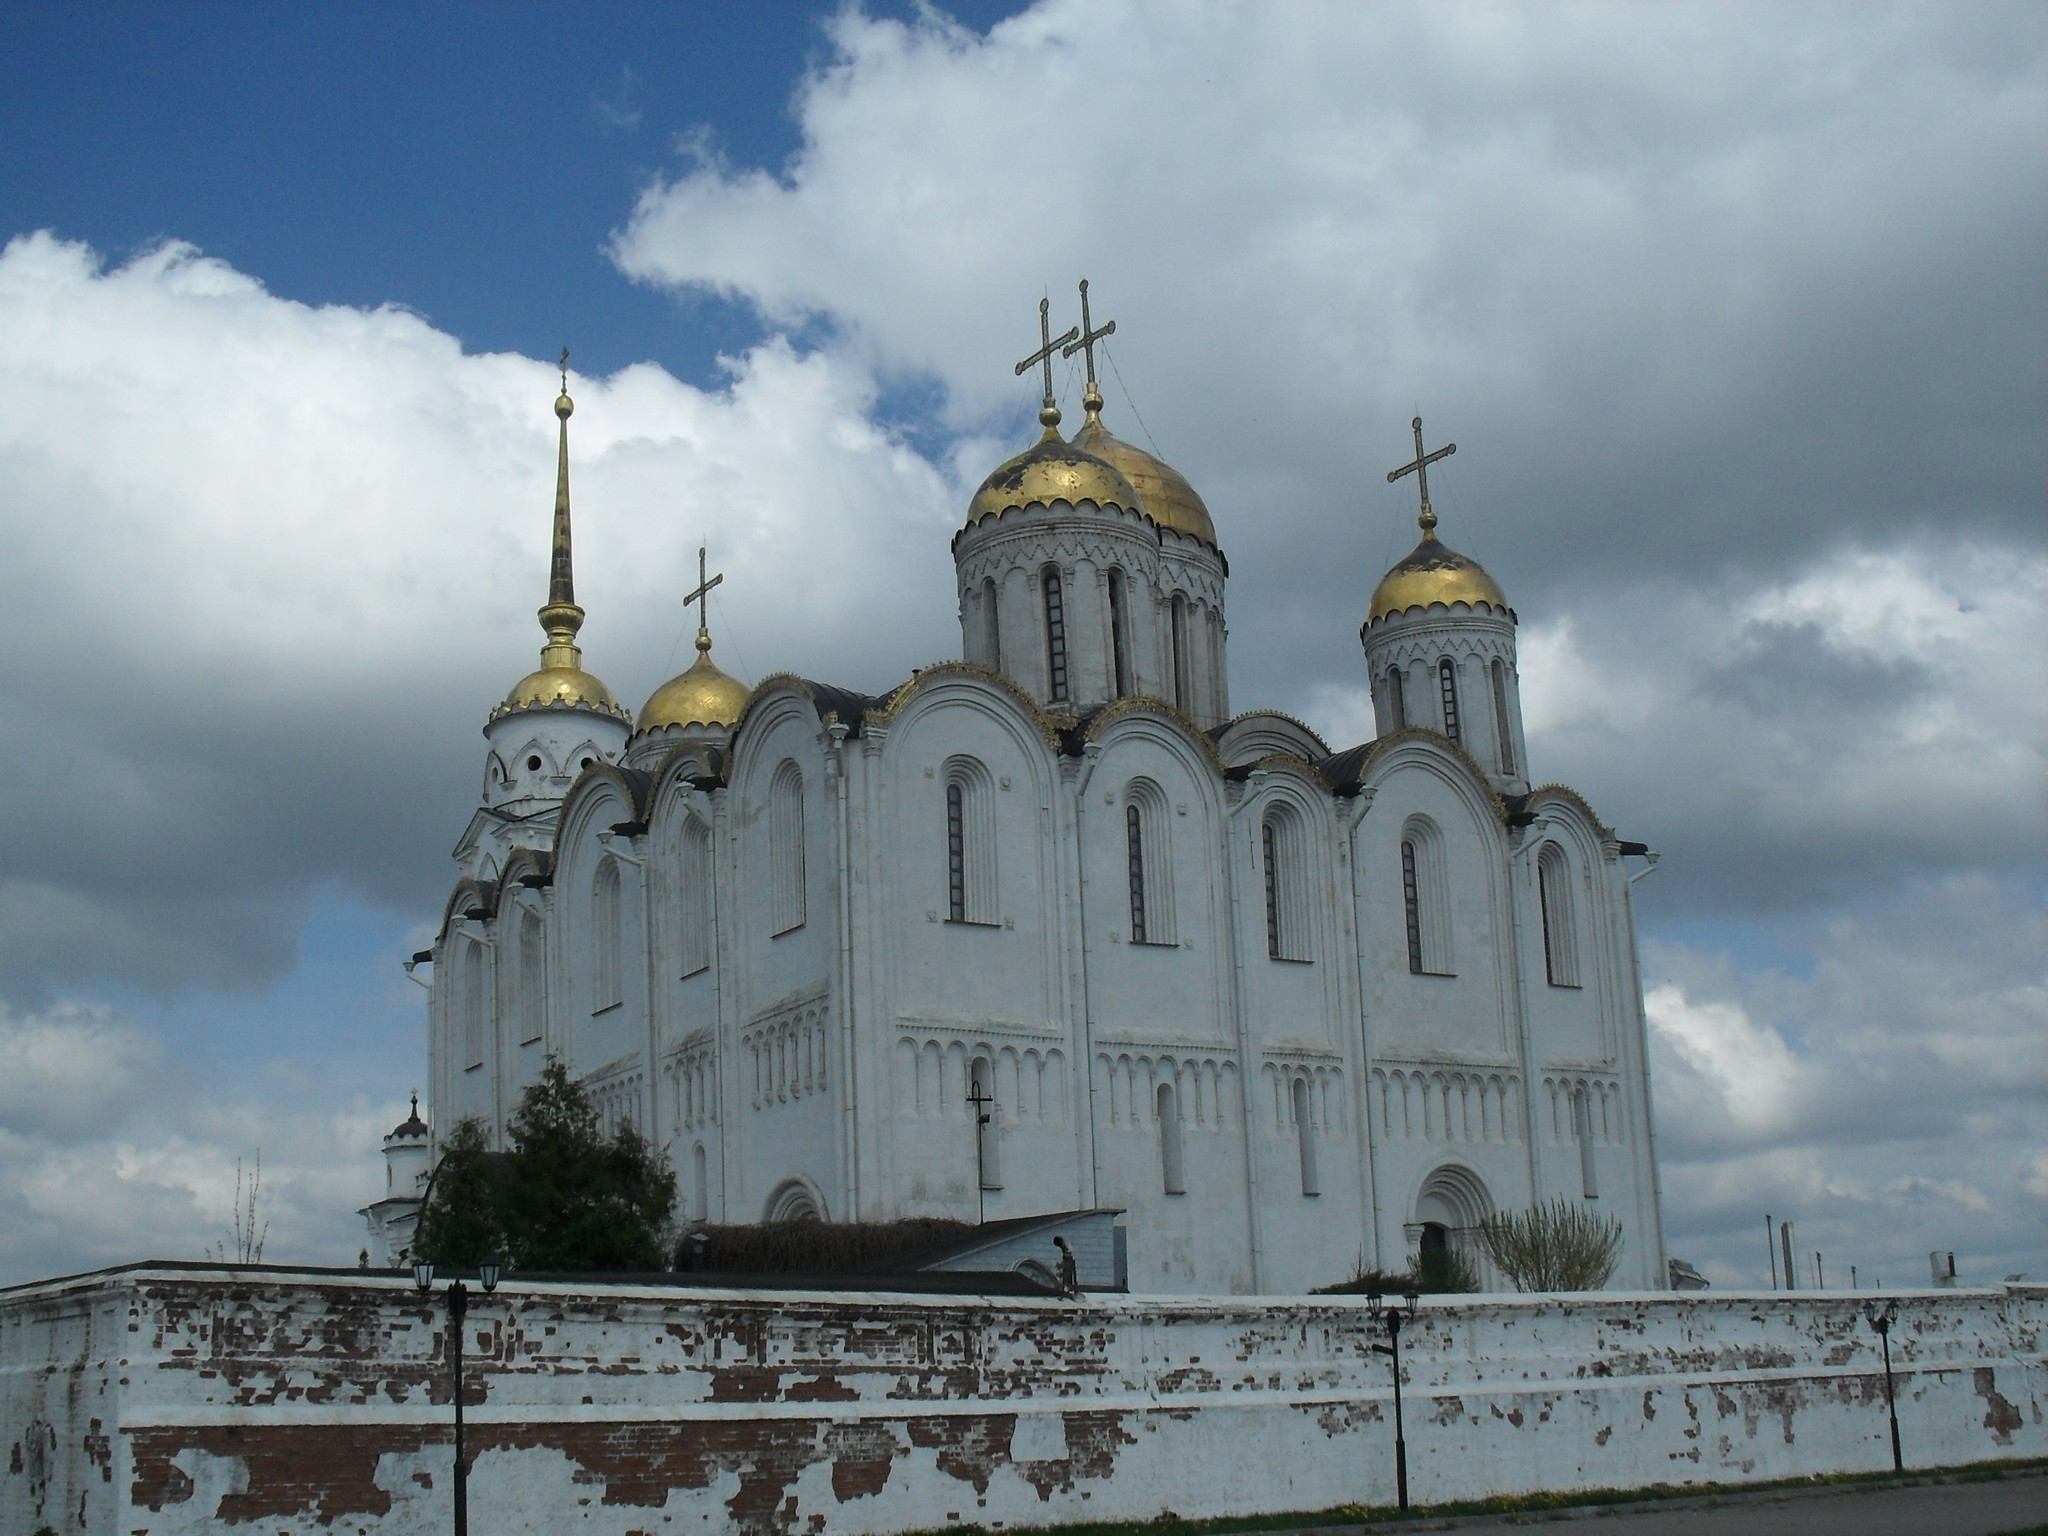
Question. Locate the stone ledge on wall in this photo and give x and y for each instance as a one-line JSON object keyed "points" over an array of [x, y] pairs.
{"points": [[163, 1399]]}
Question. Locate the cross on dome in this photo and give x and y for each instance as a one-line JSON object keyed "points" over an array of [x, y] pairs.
{"points": [[1419, 468], [700, 597], [1092, 400], [1049, 414]]}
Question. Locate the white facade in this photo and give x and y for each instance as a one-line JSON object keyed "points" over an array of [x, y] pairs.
{"points": [[1289, 1008]]}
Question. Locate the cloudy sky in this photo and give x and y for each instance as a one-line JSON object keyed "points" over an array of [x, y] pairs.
{"points": [[1735, 314]]}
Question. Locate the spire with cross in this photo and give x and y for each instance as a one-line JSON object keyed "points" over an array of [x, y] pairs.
{"points": [[1419, 468], [1091, 402], [701, 598], [1049, 414]]}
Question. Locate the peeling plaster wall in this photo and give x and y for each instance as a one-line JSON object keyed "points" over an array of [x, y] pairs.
{"points": [[159, 1400]]}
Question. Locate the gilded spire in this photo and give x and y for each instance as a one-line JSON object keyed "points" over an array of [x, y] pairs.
{"points": [[561, 618], [561, 678]]}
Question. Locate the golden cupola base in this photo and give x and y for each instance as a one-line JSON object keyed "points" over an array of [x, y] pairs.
{"points": [[1432, 573], [1052, 470], [703, 695]]}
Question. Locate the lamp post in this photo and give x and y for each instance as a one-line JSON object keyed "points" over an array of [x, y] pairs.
{"points": [[1882, 1323], [458, 1310], [1393, 1318]]}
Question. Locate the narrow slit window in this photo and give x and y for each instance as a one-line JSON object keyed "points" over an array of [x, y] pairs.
{"points": [[1502, 726], [1411, 905], [473, 1005], [992, 634], [786, 849], [532, 979], [1447, 685], [1560, 939], [605, 936], [1270, 838], [1183, 691], [1118, 628], [1397, 700], [696, 897], [1134, 851], [1055, 636], [956, 853]]}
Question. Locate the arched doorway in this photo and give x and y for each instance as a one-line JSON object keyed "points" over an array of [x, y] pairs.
{"points": [[793, 1200], [1449, 1205]]}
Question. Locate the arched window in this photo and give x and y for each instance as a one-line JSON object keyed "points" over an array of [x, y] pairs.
{"points": [[1183, 685], [1119, 634], [472, 1006], [1148, 865], [533, 979], [1305, 1132], [1171, 1172], [1560, 926], [700, 1183], [1502, 726], [992, 627], [696, 904], [1447, 686], [1397, 701], [1055, 635], [604, 937], [786, 848], [987, 1143], [1425, 900], [1287, 906], [970, 844], [1134, 847]]}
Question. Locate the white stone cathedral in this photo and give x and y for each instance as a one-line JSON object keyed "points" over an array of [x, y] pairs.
{"points": [[1050, 928]]}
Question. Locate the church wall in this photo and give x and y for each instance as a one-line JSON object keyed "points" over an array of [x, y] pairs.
{"points": [[162, 1401], [1469, 1012], [785, 1068]]}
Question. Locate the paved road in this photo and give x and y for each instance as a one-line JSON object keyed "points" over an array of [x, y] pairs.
{"points": [[2017, 1502]]}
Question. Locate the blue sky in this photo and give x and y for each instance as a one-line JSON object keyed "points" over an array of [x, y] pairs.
{"points": [[1734, 312]]}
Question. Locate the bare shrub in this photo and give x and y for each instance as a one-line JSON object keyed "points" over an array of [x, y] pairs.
{"points": [[1557, 1246]]}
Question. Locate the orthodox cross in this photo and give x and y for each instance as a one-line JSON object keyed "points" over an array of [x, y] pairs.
{"points": [[1419, 467], [702, 593], [565, 370], [1047, 346], [982, 1101], [1088, 337]]}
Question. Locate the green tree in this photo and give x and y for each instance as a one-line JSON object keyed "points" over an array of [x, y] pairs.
{"points": [[564, 1199], [1557, 1246], [576, 1201], [461, 1223]]}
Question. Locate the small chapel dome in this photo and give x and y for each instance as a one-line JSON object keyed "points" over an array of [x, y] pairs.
{"points": [[1164, 494], [704, 695], [412, 1128], [1051, 469], [1432, 573]]}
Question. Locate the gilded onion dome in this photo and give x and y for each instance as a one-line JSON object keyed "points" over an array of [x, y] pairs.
{"points": [[701, 696], [561, 681], [1051, 469], [1164, 494], [1432, 573]]}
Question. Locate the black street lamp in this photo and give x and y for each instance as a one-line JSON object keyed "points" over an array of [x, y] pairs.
{"points": [[1882, 1322], [458, 1310], [1393, 1318]]}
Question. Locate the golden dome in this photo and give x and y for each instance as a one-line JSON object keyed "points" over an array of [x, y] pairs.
{"points": [[1164, 494], [701, 696], [561, 685], [1051, 469], [1430, 574]]}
